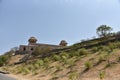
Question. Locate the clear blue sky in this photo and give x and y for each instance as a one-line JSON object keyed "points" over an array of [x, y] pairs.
{"points": [[51, 21]]}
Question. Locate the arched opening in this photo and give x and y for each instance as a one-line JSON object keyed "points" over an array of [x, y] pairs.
{"points": [[32, 49], [24, 49]]}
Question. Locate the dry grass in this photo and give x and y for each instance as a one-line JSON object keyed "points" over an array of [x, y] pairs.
{"points": [[58, 70]]}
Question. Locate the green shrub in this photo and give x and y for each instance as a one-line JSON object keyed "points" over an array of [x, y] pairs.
{"points": [[5, 68], [118, 59], [101, 58], [72, 54], [114, 45], [64, 59], [102, 75], [64, 54], [54, 78], [71, 63], [47, 60], [73, 75], [100, 52], [88, 65], [108, 65], [36, 66], [77, 53], [56, 57], [4, 59], [100, 48], [31, 67], [94, 49], [35, 72], [25, 71], [117, 44], [41, 51], [111, 46], [19, 70], [58, 68], [40, 62], [83, 51], [46, 66], [106, 48]]}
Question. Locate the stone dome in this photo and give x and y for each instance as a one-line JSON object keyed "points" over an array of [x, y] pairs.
{"points": [[32, 40], [63, 43]]}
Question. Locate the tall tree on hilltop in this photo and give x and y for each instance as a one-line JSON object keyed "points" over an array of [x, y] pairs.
{"points": [[104, 31]]}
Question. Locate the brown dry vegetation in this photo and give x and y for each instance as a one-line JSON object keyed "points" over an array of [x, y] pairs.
{"points": [[96, 63]]}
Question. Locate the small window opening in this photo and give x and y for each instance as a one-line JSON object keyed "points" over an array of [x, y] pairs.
{"points": [[24, 49], [32, 49]]}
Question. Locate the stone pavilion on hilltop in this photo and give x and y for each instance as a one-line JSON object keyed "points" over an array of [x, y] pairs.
{"points": [[32, 45]]}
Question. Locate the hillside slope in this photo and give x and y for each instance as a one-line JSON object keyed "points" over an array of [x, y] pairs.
{"points": [[73, 63]]}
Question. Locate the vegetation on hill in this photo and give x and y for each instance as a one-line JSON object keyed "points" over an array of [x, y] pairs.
{"points": [[4, 58], [7, 56], [93, 59], [71, 65]]}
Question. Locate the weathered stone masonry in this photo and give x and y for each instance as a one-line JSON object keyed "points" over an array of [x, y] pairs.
{"points": [[32, 45]]}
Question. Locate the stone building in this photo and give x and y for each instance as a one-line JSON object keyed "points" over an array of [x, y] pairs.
{"points": [[32, 45], [63, 43]]}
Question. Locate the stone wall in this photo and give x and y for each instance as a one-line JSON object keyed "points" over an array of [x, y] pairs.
{"points": [[30, 48], [49, 46], [26, 48]]}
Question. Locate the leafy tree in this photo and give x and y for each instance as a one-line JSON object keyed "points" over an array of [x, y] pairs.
{"points": [[3, 60], [5, 57], [104, 31]]}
